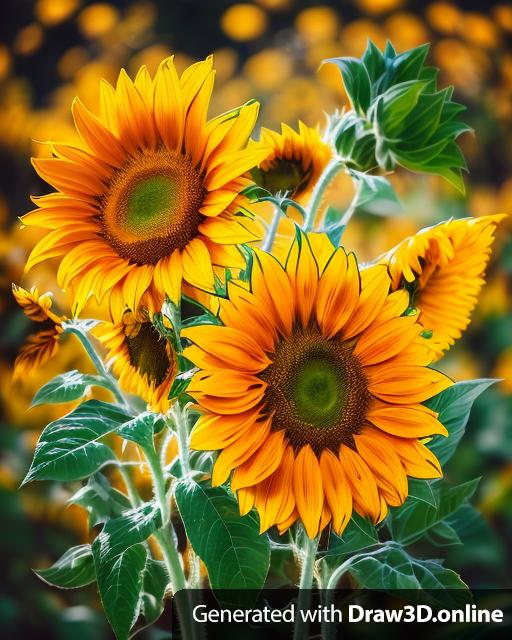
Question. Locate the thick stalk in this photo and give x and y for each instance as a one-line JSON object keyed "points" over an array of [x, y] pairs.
{"points": [[268, 243], [319, 191], [180, 419], [159, 487], [345, 219], [300, 631]]}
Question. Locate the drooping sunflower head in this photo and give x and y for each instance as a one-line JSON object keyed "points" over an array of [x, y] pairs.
{"points": [[152, 197], [443, 269], [295, 163], [41, 345], [142, 359], [312, 390]]}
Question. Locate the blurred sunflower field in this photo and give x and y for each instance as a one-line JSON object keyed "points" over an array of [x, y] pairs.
{"points": [[271, 51]]}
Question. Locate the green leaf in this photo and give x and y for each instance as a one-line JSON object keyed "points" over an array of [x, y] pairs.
{"points": [[423, 491], [154, 586], [70, 448], [133, 526], [356, 81], [376, 194], [67, 387], [453, 406], [120, 560], [235, 554], [142, 429], [74, 569], [391, 567], [101, 500], [415, 518], [120, 584], [359, 534], [443, 535]]}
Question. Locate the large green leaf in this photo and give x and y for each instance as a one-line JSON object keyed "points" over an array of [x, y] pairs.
{"points": [[74, 569], [415, 518], [101, 500], [356, 81], [235, 554], [66, 387], [70, 448], [155, 584], [142, 429], [120, 560], [391, 567], [120, 583], [454, 406]]}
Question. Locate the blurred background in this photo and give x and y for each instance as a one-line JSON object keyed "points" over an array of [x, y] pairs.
{"points": [[52, 50]]}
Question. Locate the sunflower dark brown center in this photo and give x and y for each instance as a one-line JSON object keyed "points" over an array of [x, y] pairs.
{"points": [[283, 175], [151, 206], [317, 391], [148, 353]]}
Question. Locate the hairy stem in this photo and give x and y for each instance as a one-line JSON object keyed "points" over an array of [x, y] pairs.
{"points": [[180, 419], [300, 631], [319, 191], [268, 243]]}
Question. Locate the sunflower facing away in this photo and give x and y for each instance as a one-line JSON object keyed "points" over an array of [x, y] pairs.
{"points": [[153, 195], [141, 358], [295, 163], [44, 343], [312, 390], [443, 268]]}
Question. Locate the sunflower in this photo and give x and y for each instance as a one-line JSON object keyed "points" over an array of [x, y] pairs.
{"points": [[141, 358], [44, 343], [313, 390], [294, 165], [152, 197], [443, 269]]}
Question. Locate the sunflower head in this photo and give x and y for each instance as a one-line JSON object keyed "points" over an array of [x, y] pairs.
{"points": [[142, 359], [41, 345], [295, 163], [312, 390], [152, 197], [443, 269]]}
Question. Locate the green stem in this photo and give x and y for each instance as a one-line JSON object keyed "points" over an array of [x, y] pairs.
{"points": [[133, 494], [345, 219], [159, 487], [319, 191], [272, 230], [180, 419], [300, 631], [96, 360]]}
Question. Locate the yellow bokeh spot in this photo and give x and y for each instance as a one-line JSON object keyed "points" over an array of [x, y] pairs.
{"points": [[479, 30], [275, 5], [5, 61], [225, 61], [376, 7], [406, 31], [356, 34], [317, 24], [244, 22], [269, 69], [29, 39], [70, 63], [444, 17], [98, 19], [52, 12], [503, 16]]}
